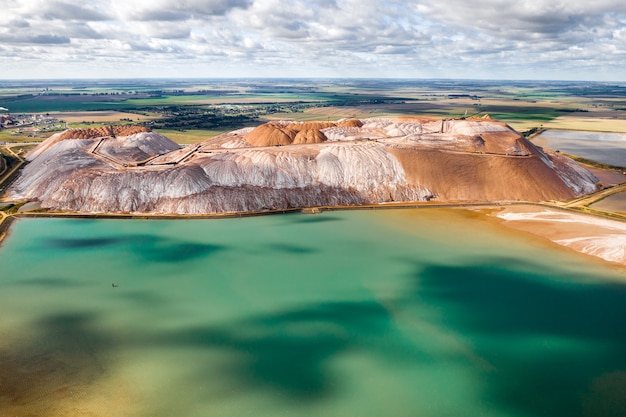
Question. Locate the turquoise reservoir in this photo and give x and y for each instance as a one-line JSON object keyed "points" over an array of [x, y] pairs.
{"points": [[365, 313]]}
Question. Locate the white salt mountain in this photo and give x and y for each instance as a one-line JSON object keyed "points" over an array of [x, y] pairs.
{"points": [[282, 165]]}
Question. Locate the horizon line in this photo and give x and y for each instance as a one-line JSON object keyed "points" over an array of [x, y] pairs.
{"points": [[301, 78]]}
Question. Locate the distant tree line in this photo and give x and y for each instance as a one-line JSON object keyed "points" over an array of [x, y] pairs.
{"points": [[189, 118]]}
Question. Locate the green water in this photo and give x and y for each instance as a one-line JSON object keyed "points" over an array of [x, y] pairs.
{"points": [[387, 313]]}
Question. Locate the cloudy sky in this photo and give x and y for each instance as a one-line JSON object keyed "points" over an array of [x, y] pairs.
{"points": [[502, 39]]}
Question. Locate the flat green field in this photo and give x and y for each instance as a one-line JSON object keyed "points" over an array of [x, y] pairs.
{"points": [[57, 103], [189, 136], [80, 103], [207, 107], [8, 135]]}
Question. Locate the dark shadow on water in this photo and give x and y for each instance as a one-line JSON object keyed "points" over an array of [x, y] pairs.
{"points": [[49, 283], [314, 218], [175, 251], [575, 330], [151, 248], [291, 249], [289, 352], [83, 243], [572, 335], [556, 346], [505, 297]]}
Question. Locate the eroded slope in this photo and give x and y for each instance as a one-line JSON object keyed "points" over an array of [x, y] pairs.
{"points": [[289, 164]]}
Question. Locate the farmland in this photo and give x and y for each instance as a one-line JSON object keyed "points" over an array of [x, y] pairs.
{"points": [[191, 110]]}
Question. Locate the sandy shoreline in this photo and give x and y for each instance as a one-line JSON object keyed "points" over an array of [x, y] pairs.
{"points": [[592, 235]]}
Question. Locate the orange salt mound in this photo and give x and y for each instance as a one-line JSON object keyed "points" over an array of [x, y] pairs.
{"points": [[278, 134], [309, 136], [271, 134], [102, 131], [350, 123]]}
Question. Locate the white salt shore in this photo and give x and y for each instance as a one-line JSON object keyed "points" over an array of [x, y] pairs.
{"points": [[603, 238]]}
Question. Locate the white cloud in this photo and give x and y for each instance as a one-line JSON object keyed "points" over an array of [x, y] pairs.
{"points": [[174, 10], [455, 38], [40, 10]]}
